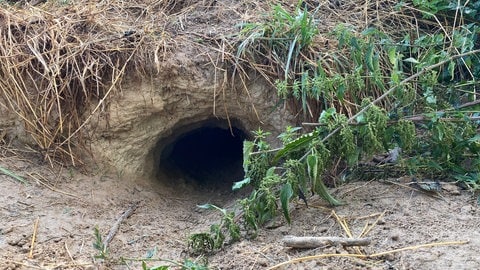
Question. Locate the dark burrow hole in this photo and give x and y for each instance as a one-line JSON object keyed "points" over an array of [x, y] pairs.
{"points": [[206, 155]]}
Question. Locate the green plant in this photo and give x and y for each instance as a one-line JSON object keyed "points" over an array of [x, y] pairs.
{"points": [[201, 243], [449, 8], [99, 245], [446, 146], [204, 243]]}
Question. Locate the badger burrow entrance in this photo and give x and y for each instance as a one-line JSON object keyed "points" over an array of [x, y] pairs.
{"points": [[206, 154]]}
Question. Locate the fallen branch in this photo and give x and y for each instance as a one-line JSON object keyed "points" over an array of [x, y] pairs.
{"points": [[314, 242], [116, 226]]}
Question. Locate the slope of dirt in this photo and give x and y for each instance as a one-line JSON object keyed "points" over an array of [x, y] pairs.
{"points": [[69, 205]]}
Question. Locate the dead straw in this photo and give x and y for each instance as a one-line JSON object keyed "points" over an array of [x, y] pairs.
{"points": [[58, 61], [34, 236], [346, 255], [44, 183]]}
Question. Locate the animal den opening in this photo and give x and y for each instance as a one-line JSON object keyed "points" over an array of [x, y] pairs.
{"points": [[207, 154]]}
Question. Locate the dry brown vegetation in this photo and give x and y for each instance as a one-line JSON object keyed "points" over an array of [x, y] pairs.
{"points": [[61, 63]]}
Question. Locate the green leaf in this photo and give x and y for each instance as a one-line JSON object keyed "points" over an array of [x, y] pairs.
{"points": [[434, 165], [296, 144], [285, 195], [392, 55], [411, 60], [361, 119], [191, 265], [341, 91], [322, 191], [151, 252], [312, 165], [270, 172], [431, 99], [354, 44], [475, 138], [212, 206], [451, 69], [326, 115], [161, 267], [247, 149], [11, 174], [369, 58], [240, 184], [317, 184], [289, 57], [205, 206]]}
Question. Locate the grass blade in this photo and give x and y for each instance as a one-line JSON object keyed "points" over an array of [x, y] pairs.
{"points": [[13, 175]]}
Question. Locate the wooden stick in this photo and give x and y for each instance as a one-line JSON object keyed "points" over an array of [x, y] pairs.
{"points": [[34, 236], [116, 226], [314, 242]]}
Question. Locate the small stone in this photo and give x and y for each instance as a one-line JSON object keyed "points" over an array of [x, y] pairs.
{"points": [[12, 242], [323, 229], [263, 262], [451, 189], [18, 241], [283, 230], [389, 257], [395, 237], [467, 209]]}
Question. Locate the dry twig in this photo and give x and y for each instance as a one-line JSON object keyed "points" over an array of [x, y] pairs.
{"points": [[362, 256], [116, 226], [34, 236], [314, 242]]}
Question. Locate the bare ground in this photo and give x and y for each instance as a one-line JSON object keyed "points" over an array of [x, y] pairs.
{"points": [[69, 205]]}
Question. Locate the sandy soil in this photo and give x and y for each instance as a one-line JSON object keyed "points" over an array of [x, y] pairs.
{"points": [[68, 205]]}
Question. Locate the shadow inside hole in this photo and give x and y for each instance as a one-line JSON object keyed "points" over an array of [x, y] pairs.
{"points": [[209, 156]]}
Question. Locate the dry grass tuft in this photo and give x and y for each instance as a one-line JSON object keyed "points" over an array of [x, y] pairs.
{"points": [[60, 63]]}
